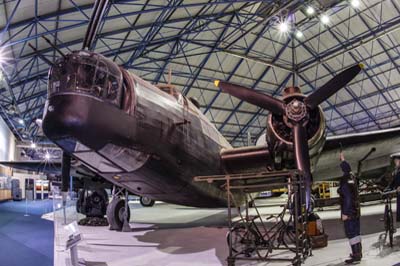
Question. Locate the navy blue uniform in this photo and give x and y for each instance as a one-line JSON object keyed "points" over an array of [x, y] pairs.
{"points": [[349, 204], [394, 185]]}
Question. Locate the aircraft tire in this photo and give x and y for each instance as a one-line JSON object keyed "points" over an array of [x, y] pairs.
{"points": [[115, 214], [146, 202]]}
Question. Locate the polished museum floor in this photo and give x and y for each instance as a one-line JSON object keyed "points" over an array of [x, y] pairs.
{"points": [[178, 236]]}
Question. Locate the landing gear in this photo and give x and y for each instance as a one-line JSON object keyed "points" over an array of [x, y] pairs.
{"points": [[146, 202], [118, 212], [93, 204], [65, 175]]}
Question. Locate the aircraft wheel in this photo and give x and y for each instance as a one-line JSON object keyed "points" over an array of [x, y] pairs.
{"points": [[115, 214], [146, 201]]}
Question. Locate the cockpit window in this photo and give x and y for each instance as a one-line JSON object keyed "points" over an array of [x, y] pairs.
{"points": [[87, 73]]}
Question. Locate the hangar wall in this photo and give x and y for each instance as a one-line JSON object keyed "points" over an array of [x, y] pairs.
{"points": [[7, 153], [7, 142]]}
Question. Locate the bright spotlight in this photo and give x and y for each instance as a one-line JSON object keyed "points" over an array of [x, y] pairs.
{"points": [[39, 122], [283, 26], [47, 156], [299, 34], [21, 121], [355, 3], [33, 145], [310, 10], [325, 19]]}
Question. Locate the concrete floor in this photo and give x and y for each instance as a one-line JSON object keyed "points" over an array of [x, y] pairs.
{"points": [[25, 238], [174, 235]]}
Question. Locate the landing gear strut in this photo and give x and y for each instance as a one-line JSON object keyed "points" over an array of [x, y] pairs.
{"points": [[65, 175], [118, 212]]}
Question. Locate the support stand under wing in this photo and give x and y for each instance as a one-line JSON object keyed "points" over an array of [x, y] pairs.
{"points": [[259, 236]]}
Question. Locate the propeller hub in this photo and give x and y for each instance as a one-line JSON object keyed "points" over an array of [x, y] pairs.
{"points": [[296, 110]]}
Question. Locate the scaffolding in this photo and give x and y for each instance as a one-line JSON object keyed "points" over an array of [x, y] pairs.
{"points": [[259, 237]]}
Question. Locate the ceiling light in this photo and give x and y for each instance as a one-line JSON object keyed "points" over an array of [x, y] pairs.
{"points": [[21, 121], [283, 26], [310, 10], [39, 122], [47, 156], [355, 3], [299, 34], [325, 19], [33, 145]]}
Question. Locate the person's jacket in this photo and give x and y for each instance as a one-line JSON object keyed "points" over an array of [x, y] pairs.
{"points": [[348, 192], [396, 179]]}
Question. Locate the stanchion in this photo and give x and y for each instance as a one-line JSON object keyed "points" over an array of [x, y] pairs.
{"points": [[26, 206]]}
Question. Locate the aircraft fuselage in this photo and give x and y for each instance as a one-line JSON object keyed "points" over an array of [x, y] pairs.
{"points": [[153, 144]]}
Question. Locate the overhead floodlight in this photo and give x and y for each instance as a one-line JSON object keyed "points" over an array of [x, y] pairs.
{"points": [[33, 145], [47, 156], [325, 19], [283, 26], [39, 122], [310, 10], [21, 121], [299, 34], [355, 3]]}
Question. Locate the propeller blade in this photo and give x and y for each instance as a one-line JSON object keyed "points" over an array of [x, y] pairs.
{"points": [[302, 156], [332, 86], [261, 100], [97, 14]]}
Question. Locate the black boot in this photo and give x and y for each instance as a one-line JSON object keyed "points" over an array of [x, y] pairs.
{"points": [[356, 255]]}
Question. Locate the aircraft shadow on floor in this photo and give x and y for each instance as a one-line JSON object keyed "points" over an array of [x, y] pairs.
{"points": [[188, 240], [198, 235]]}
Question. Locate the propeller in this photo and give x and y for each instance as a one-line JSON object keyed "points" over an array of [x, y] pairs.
{"points": [[262, 100], [98, 10], [296, 111]]}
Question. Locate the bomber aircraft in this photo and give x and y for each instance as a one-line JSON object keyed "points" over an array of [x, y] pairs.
{"points": [[152, 141]]}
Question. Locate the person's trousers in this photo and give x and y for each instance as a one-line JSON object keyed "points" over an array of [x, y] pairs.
{"points": [[398, 208], [352, 230]]}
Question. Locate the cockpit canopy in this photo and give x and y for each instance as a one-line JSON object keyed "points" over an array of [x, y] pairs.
{"points": [[88, 73]]}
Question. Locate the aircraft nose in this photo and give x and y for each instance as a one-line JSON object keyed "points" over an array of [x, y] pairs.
{"points": [[87, 119]]}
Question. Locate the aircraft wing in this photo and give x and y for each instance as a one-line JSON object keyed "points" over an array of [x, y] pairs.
{"points": [[49, 167], [355, 147], [245, 159]]}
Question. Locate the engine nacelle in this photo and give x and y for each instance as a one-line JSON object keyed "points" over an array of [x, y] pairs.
{"points": [[280, 138]]}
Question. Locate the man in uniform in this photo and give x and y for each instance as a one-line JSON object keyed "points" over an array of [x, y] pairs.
{"points": [[350, 209], [395, 184]]}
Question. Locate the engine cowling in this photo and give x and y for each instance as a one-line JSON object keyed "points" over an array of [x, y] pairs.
{"points": [[280, 137]]}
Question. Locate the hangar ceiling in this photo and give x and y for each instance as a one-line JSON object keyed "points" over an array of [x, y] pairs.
{"points": [[239, 41]]}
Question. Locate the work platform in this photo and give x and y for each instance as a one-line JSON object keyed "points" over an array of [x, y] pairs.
{"points": [[265, 237]]}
